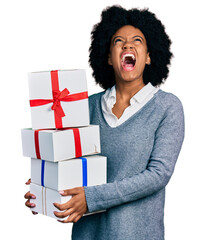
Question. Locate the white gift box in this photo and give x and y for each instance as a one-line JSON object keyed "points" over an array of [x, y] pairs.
{"points": [[45, 197], [89, 171], [43, 85], [58, 145]]}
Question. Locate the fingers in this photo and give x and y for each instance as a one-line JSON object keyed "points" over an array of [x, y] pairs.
{"points": [[62, 206], [34, 212], [73, 218], [77, 218], [65, 213], [30, 205], [29, 195], [28, 182], [71, 191]]}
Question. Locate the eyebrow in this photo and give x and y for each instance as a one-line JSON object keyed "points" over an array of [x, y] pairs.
{"points": [[132, 37], [116, 37]]}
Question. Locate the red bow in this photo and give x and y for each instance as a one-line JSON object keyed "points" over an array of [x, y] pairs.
{"points": [[59, 96]]}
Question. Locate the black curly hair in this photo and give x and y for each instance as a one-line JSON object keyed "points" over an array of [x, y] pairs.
{"points": [[158, 44]]}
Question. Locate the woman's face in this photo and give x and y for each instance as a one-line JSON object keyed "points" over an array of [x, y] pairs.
{"points": [[128, 54]]}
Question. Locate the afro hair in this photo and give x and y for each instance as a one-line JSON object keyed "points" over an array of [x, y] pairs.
{"points": [[158, 44]]}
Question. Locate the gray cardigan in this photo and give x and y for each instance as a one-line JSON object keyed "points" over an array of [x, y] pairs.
{"points": [[141, 153]]}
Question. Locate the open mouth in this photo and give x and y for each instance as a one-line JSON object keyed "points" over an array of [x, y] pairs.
{"points": [[128, 61]]}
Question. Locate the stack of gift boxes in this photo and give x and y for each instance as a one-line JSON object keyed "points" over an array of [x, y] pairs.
{"points": [[62, 145]]}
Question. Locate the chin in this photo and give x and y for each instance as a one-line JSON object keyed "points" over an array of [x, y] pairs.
{"points": [[131, 76]]}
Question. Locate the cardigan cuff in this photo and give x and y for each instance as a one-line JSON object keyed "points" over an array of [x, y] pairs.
{"points": [[90, 199]]}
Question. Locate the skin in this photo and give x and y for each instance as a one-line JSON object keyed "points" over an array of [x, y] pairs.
{"points": [[128, 83], [28, 196]]}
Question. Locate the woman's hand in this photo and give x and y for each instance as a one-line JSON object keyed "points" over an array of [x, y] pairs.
{"points": [[74, 208], [28, 196]]}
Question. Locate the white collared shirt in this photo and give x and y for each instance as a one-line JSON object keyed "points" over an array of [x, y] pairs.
{"points": [[136, 103]]}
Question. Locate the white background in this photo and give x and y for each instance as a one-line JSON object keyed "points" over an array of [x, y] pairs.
{"points": [[48, 35]]}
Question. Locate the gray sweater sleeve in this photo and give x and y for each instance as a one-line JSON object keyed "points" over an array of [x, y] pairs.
{"points": [[168, 141]]}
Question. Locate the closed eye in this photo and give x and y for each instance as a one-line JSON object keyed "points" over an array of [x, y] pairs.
{"points": [[137, 40], [118, 40]]}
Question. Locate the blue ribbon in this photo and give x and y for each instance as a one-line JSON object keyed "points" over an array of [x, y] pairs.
{"points": [[84, 171], [42, 172]]}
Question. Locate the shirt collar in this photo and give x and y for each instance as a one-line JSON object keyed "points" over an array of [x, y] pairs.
{"points": [[143, 93], [110, 95]]}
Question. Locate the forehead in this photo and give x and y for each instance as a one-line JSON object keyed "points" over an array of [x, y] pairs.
{"points": [[128, 31]]}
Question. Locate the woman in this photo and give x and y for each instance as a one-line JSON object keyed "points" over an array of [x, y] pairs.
{"points": [[141, 128]]}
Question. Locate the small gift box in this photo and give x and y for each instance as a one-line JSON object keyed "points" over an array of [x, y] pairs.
{"points": [[84, 171], [45, 197], [58, 99], [58, 145]]}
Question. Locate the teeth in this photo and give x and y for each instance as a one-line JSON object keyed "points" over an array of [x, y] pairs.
{"points": [[128, 55]]}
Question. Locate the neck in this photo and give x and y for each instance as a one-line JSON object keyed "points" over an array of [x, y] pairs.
{"points": [[126, 90]]}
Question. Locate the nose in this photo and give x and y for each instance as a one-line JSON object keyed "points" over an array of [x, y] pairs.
{"points": [[128, 45]]}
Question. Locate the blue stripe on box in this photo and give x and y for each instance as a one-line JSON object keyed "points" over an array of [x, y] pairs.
{"points": [[42, 172], [84, 171]]}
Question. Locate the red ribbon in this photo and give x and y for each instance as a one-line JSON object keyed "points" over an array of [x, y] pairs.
{"points": [[36, 140], [58, 96], [77, 142]]}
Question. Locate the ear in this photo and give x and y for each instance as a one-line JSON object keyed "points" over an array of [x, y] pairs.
{"points": [[148, 59], [109, 60]]}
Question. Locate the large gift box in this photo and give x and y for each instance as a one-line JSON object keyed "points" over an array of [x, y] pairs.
{"points": [[57, 145], [85, 171], [58, 99], [45, 197]]}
